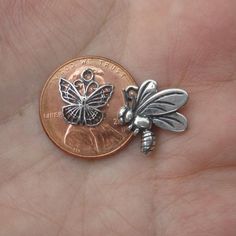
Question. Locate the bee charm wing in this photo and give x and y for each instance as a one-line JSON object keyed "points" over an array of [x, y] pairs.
{"points": [[146, 90], [163, 102], [174, 122], [161, 109]]}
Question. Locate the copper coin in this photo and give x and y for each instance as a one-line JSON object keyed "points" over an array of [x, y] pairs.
{"points": [[82, 140]]}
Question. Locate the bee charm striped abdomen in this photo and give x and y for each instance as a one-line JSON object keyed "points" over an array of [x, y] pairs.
{"points": [[148, 141]]}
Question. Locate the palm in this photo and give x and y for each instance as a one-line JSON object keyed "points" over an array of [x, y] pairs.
{"points": [[188, 185]]}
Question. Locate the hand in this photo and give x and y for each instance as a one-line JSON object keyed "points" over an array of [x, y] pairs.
{"points": [[187, 186]]}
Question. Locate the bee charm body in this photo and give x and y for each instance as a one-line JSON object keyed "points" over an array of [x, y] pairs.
{"points": [[146, 106], [148, 141]]}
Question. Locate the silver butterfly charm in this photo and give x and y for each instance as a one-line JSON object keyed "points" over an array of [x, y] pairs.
{"points": [[146, 106], [84, 99]]}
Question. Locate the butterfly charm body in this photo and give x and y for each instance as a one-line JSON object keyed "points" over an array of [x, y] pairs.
{"points": [[146, 106], [84, 98]]}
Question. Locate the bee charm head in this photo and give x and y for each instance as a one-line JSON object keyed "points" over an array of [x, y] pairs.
{"points": [[125, 115], [145, 106]]}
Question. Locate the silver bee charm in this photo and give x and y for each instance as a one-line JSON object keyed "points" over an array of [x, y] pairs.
{"points": [[146, 106], [84, 99]]}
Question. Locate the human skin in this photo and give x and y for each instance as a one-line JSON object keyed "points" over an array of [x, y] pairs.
{"points": [[187, 186]]}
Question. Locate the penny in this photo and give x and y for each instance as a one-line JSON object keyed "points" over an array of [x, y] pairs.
{"points": [[82, 136]]}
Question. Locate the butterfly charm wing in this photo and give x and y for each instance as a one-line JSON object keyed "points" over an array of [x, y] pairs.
{"points": [[161, 106], [69, 93], [100, 96], [73, 112], [97, 99]]}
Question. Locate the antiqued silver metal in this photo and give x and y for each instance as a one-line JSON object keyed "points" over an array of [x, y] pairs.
{"points": [[148, 141], [145, 106], [84, 98]]}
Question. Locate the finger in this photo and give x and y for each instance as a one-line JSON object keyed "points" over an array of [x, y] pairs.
{"points": [[36, 38]]}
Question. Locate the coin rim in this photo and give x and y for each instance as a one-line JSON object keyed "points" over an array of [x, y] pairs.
{"points": [[88, 157]]}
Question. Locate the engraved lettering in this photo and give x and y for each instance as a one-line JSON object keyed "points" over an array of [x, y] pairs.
{"points": [[76, 149], [123, 76], [101, 62], [118, 71], [84, 62], [52, 115], [106, 64], [113, 67], [124, 129], [116, 122]]}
